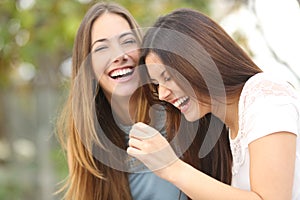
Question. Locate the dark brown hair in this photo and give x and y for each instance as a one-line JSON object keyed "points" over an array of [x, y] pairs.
{"points": [[202, 54], [199, 50]]}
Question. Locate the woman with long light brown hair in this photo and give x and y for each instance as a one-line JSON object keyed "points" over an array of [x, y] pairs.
{"points": [[101, 109]]}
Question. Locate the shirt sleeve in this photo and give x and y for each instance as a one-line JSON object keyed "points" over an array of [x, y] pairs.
{"points": [[270, 115]]}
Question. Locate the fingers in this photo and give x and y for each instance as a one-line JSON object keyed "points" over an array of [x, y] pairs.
{"points": [[142, 131], [150, 147], [135, 143], [134, 151], [142, 140]]}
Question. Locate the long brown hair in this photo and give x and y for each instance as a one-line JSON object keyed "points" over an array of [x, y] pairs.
{"points": [[199, 52], [85, 111], [189, 38]]}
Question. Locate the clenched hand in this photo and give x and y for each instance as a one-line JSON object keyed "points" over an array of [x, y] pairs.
{"points": [[150, 147]]}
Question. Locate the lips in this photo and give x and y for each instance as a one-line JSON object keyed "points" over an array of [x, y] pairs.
{"points": [[121, 72], [181, 102]]}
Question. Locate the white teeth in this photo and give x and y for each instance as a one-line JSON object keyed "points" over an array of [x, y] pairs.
{"points": [[180, 101], [121, 72]]}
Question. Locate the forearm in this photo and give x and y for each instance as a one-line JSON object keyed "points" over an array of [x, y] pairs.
{"points": [[198, 185]]}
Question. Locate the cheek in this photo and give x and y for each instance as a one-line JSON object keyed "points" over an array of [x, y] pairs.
{"points": [[134, 55], [99, 67]]}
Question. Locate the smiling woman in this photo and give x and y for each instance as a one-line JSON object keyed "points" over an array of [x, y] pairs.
{"points": [[100, 111], [114, 56], [261, 112]]}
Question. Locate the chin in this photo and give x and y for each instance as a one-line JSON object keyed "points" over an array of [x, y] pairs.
{"points": [[190, 118], [125, 91]]}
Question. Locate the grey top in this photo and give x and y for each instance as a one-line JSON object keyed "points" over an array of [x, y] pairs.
{"points": [[148, 186], [145, 185]]}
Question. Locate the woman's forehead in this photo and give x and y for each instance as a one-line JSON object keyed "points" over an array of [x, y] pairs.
{"points": [[109, 25]]}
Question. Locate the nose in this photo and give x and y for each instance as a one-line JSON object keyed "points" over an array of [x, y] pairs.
{"points": [[121, 57], [163, 92]]}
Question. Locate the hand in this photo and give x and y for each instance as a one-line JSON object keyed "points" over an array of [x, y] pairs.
{"points": [[150, 147]]}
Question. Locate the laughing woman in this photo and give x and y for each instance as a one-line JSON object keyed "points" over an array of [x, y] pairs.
{"points": [[261, 112], [99, 112], [101, 108]]}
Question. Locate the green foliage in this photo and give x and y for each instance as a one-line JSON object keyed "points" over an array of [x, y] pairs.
{"points": [[146, 12], [59, 161], [42, 35], [45, 30], [48, 27]]}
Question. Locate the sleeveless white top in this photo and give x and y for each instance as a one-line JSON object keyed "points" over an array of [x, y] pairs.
{"points": [[266, 105]]}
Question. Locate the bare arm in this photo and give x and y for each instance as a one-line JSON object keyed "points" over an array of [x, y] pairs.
{"points": [[198, 185], [271, 172], [272, 165]]}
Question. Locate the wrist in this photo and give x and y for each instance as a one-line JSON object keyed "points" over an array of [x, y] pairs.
{"points": [[173, 172]]}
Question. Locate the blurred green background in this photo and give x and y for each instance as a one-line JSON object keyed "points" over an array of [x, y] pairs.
{"points": [[36, 39]]}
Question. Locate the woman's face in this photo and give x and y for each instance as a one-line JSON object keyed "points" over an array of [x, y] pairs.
{"points": [[169, 90], [115, 55]]}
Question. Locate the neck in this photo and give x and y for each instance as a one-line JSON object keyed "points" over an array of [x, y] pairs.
{"points": [[232, 119], [123, 109], [229, 115]]}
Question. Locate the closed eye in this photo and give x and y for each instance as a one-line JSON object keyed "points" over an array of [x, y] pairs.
{"points": [[154, 82], [168, 78], [165, 76], [101, 48], [129, 41]]}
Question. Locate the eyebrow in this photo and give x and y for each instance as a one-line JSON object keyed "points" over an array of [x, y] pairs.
{"points": [[99, 40], [124, 34], [104, 39], [152, 80]]}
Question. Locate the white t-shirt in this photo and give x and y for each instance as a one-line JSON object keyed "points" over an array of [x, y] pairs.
{"points": [[266, 105]]}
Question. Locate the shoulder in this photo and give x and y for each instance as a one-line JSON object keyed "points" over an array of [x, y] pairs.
{"points": [[263, 86], [267, 105]]}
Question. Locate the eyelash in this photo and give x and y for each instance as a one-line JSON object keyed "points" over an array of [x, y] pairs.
{"points": [[167, 78], [154, 82], [129, 41], [100, 48]]}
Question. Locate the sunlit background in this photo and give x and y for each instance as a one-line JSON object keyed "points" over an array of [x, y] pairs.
{"points": [[36, 38]]}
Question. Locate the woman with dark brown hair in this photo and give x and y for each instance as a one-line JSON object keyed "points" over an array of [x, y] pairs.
{"points": [[201, 71]]}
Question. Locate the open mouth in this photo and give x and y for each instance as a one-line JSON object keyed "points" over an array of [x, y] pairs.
{"points": [[121, 73], [181, 102]]}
